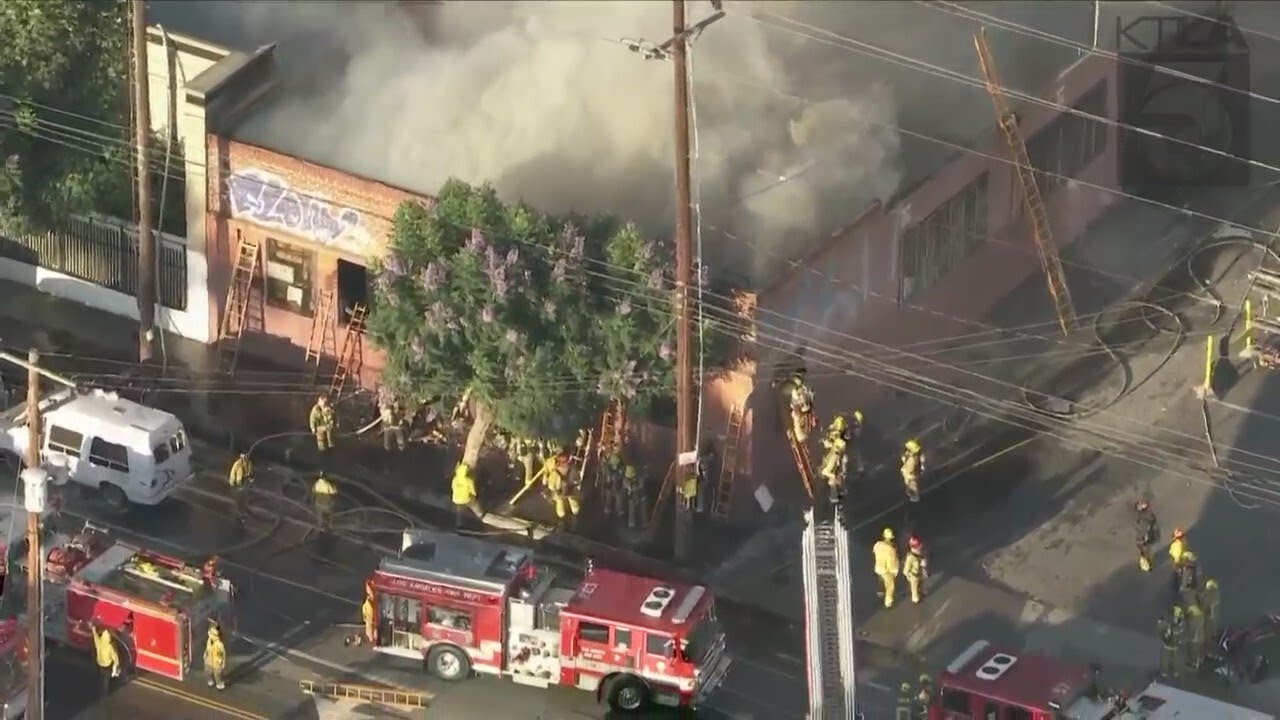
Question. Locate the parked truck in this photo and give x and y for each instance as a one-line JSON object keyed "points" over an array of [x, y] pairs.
{"points": [[465, 605]]}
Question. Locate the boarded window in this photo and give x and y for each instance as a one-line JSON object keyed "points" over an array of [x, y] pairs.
{"points": [[289, 270], [933, 247], [65, 441], [109, 455]]}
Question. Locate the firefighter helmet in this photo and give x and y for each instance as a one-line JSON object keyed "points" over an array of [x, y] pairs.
{"points": [[1179, 534], [1188, 557], [1210, 584], [887, 534], [1177, 611], [913, 445], [1142, 505], [839, 424], [915, 543], [857, 416]]}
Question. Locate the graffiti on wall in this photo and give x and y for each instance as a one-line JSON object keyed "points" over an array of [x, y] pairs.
{"points": [[267, 199]]}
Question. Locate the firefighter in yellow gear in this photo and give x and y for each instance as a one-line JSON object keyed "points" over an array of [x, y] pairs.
{"points": [[323, 423], [1147, 533], [886, 565], [905, 709], [1193, 638], [1178, 546], [1172, 630], [564, 496], [915, 568], [924, 697], [835, 463], [392, 417], [215, 658], [800, 402], [369, 616], [324, 495], [1210, 604], [463, 492], [239, 479], [688, 488], [525, 452], [104, 650], [912, 468]]}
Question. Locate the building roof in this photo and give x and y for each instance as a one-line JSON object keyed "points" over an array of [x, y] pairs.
{"points": [[458, 560], [1016, 677], [128, 419], [631, 599]]}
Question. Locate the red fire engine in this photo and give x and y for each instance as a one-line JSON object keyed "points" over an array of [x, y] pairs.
{"points": [[13, 669], [1004, 684], [157, 608], [462, 604]]}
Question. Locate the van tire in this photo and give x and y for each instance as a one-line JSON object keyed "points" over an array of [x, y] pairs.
{"points": [[628, 694], [114, 496], [448, 663]]}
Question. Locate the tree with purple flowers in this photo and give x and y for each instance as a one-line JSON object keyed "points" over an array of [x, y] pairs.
{"points": [[545, 319]]}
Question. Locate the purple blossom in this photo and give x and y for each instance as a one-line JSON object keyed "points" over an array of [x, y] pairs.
{"points": [[416, 350], [664, 351], [655, 279], [487, 314], [646, 250], [432, 277], [436, 315], [513, 336], [624, 307], [497, 272], [573, 241], [477, 243], [558, 271], [395, 265], [513, 256], [549, 308]]}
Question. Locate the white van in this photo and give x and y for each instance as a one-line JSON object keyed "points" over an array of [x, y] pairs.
{"points": [[130, 452]]}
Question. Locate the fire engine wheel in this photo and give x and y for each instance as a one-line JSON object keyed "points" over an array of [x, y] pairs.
{"points": [[448, 663], [628, 694]]}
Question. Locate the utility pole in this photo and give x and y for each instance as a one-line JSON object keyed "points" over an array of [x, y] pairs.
{"points": [[142, 135], [33, 480], [686, 409]]}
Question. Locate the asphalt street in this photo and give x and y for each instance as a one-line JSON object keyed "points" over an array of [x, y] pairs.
{"points": [[293, 588]]}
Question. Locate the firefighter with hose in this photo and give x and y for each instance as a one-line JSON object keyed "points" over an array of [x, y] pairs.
{"points": [[239, 479], [555, 477]]}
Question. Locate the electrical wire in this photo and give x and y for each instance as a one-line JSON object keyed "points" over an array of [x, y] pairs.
{"points": [[868, 49], [695, 183]]}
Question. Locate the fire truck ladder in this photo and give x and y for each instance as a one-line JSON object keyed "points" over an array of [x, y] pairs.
{"points": [[351, 350], [366, 693], [320, 341], [239, 295], [828, 599], [1032, 202], [728, 464]]}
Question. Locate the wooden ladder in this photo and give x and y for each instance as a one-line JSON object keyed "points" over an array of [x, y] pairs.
{"points": [[728, 464], [239, 295], [613, 427], [580, 457], [803, 463], [1033, 203], [320, 341], [366, 693], [351, 347]]}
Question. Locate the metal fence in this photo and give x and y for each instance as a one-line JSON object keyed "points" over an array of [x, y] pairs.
{"points": [[104, 253]]}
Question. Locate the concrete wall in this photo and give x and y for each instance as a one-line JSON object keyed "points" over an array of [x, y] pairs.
{"points": [[243, 193], [844, 297]]}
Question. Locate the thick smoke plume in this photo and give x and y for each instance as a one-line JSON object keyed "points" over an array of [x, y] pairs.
{"points": [[796, 136]]}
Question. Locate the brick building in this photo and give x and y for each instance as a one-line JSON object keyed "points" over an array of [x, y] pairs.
{"points": [[318, 229]]}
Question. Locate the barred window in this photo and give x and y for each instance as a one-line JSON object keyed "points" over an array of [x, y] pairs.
{"points": [[933, 247], [1062, 149]]}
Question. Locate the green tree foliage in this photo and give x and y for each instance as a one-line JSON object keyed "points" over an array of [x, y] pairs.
{"points": [[546, 319], [62, 80]]}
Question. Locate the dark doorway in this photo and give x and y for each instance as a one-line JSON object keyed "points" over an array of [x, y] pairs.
{"points": [[353, 287]]}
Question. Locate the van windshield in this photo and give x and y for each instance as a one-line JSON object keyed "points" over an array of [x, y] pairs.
{"points": [[170, 447]]}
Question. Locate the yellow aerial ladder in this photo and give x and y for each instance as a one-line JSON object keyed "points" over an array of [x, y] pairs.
{"points": [[1032, 202]]}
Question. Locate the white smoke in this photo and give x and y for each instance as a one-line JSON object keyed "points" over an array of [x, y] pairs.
{"points": [[541, 99]]}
